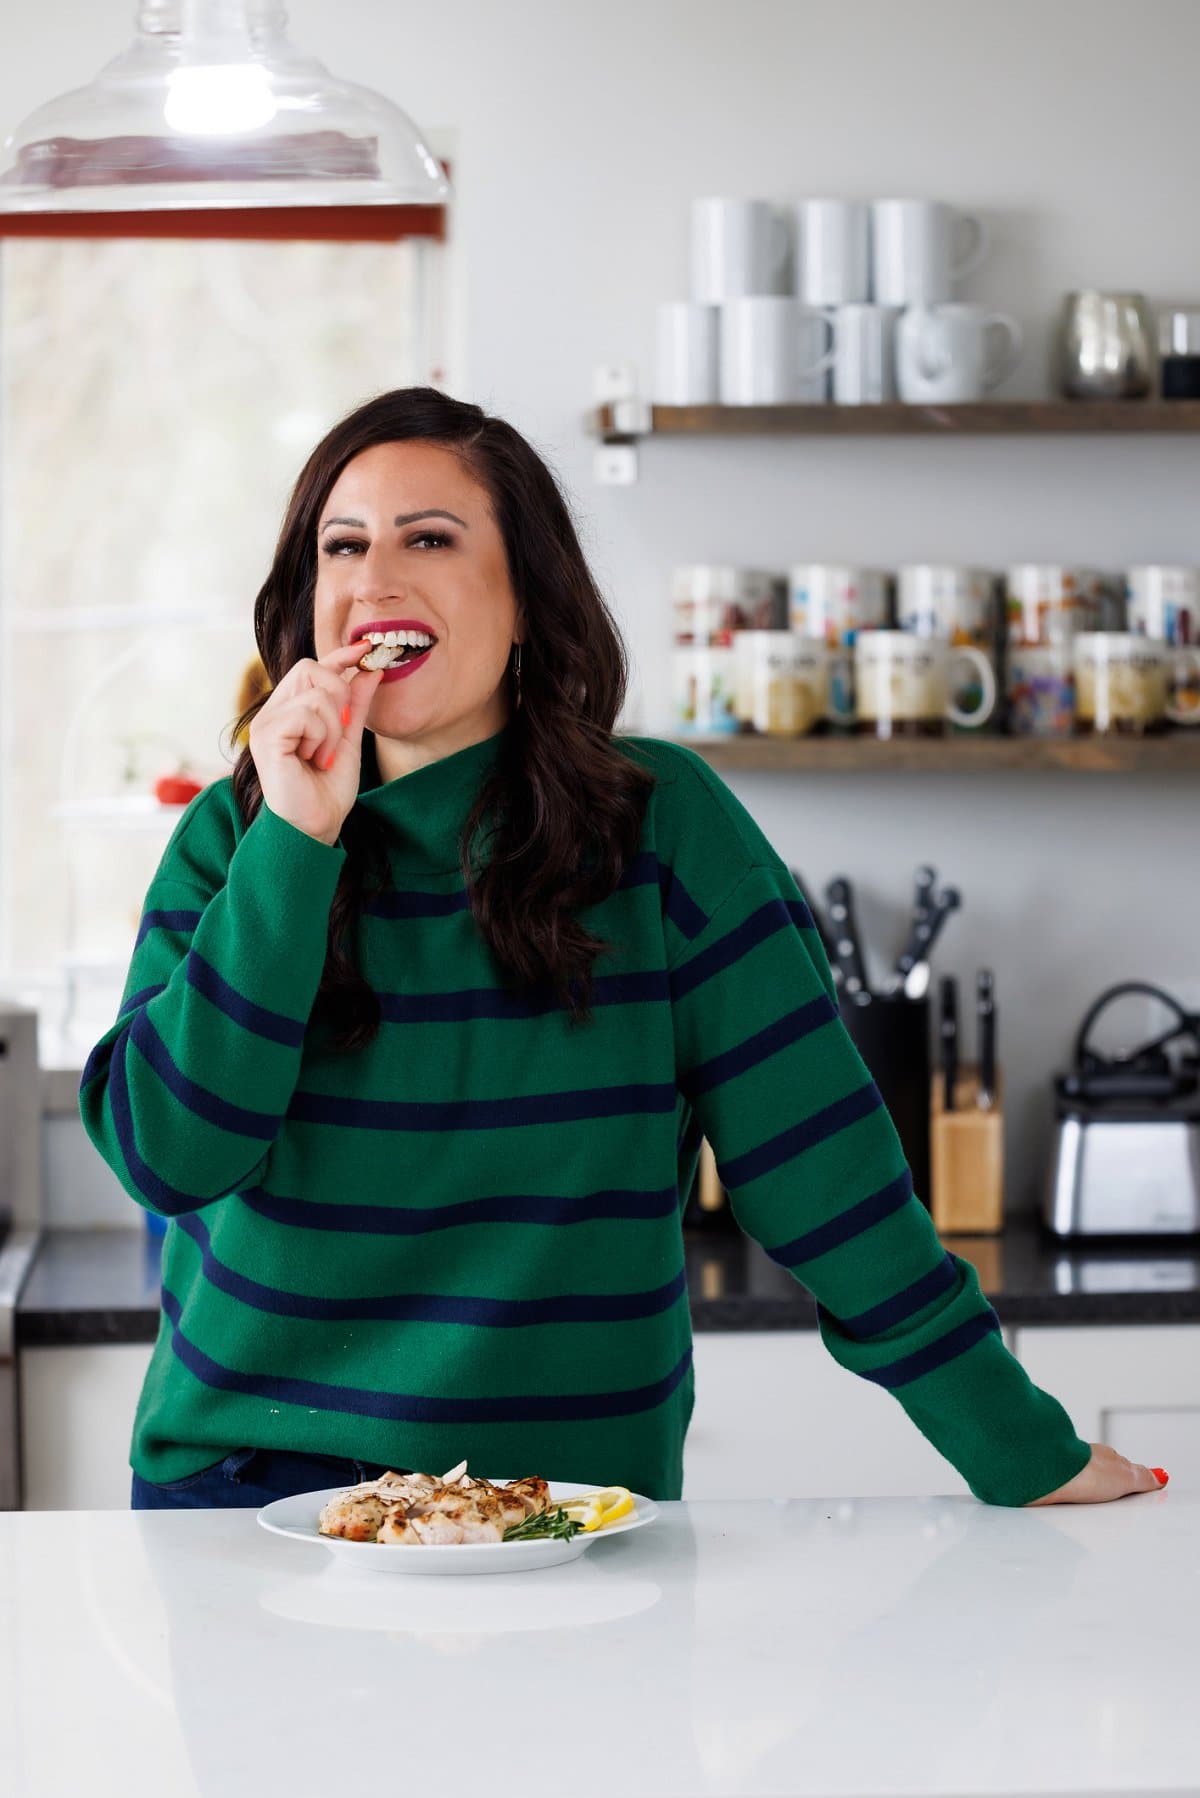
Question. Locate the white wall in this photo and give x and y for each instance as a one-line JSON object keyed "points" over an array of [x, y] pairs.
{"points": [[582, 133]]}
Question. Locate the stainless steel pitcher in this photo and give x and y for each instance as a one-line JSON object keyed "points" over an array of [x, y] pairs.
{"points": [[1105, 347]]}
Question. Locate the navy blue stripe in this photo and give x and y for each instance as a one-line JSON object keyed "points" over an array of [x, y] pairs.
{"points": [[500, 1208], [805, 1135], [847, 1224], [416, 905], [633, 1100], [96, 1062], [775, 915], [271, 1024], [905, 1304], [198, 1099], [405, 1407], [166, 920], [785, 1031], [927, 1360], [99, 1056], [433, 1307], [157, 1193], [494, 1002], [644, 869], [678, 905], [135, 1001]]}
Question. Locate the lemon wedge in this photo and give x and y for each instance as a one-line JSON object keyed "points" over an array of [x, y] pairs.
{"points": [[595, 1510]]}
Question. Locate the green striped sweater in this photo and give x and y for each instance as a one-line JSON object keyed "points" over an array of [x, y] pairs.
{"points": [[464, 1239]]}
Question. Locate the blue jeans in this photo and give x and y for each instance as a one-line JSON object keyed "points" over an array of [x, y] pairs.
{"points": [[250, 1478]]}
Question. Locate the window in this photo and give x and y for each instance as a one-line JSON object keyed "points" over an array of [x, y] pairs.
{"points": [[157, 400]]}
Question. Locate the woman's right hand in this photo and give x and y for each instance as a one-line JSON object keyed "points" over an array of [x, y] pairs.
{"points": [[306, 740], [1107, 1475]]}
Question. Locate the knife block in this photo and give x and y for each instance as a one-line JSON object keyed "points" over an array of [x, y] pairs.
{"points": [[966, 1157]]}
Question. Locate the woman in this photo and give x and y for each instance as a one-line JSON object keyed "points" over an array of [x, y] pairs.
{"points": [[432, 1003]]}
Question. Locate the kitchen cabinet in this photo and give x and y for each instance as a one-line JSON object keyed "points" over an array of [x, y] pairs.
{"points": [[1134, 1386], [77, 1407], [776, 1416]]}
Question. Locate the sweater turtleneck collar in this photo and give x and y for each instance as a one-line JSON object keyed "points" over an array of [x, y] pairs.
{"points": [[426, 809]]}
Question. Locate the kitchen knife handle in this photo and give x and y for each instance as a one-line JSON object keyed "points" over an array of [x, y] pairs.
{"points": [[949, 1035], [840, 900], [985, 998]]}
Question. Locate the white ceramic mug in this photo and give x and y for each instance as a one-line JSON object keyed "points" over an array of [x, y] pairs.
{"points": [[942, 355], [941, 600], [920, 248], [687, 344], [903, 684], [1041, 690], [703, 689], [771, 351], [833, 252], [781, 683], [739, 247], [1048, 603], [1130, 685], [712, 601], [1164, 602], [834, 602], [864, 359]]}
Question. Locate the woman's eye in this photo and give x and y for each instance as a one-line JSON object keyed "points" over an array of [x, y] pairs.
{"points": [[334, 546]]}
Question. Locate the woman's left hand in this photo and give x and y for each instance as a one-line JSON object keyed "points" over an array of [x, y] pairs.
{"points": [[1107, 1475]]}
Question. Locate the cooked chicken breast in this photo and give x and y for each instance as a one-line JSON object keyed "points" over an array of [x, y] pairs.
{"points": [[415, 1508], [533, 1492], [355, 1519], [396, 1527]]}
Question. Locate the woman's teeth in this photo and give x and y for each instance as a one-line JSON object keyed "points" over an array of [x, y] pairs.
{"points": [[391, 647]]}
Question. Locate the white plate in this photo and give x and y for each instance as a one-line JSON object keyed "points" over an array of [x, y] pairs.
{"points": [[297, 1517]]}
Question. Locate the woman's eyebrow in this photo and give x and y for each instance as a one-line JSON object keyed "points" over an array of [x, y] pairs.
{"points": [[404, 518]]}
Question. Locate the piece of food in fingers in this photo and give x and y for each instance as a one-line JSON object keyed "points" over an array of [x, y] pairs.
{"points": [[389, 649]]}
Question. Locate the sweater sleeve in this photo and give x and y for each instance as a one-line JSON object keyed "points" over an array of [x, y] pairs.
{"points": [[815, 1172], [187, 1091]]}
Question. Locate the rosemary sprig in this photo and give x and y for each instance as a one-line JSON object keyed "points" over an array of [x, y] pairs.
{"points": [[554, 1525]]}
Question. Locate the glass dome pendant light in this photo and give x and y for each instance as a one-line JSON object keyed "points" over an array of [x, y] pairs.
{"points": [[212, 106]]}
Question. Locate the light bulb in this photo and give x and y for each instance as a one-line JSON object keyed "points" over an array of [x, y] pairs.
{"points": [[218, 99]]}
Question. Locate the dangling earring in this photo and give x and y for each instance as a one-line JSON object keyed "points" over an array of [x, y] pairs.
{"points": [[517, 671]]}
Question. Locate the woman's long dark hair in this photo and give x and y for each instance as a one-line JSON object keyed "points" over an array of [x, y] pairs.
{"points": [[562, 809]]}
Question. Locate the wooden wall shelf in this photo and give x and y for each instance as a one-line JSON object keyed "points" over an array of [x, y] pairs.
{"points": [[987, 418], [1175, 753]]}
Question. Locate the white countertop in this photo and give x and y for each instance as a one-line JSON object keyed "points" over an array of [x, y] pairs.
{"points": [[838, 1646]]}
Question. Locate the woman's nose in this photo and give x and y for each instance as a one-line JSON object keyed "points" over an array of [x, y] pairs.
{"points": [[375, 576]]}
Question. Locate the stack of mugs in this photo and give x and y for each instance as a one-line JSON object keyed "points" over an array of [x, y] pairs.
{"points": [[916, 652], [1068, 676], [850, 648], [714, 605], [849, 300]]}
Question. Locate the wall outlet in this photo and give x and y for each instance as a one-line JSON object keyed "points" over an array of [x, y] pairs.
{"points": [[613, 381], [615, 465]]}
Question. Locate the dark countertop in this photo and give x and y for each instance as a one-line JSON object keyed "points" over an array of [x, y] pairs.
{"points": [[101, 1286]]}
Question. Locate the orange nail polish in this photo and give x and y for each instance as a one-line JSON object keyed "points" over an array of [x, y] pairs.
{"points": [[327, 764], [1160, 1475], [345, 716]]}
